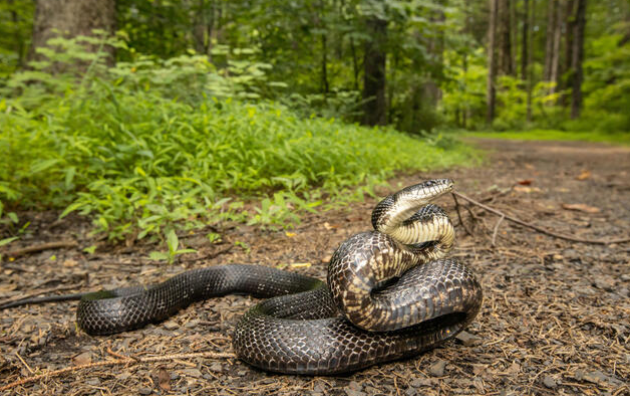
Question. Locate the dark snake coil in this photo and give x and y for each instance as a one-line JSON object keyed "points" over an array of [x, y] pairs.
{"points": [[390, 294]]}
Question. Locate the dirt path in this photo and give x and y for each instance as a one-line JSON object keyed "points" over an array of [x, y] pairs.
{"points": [[554, 321]]}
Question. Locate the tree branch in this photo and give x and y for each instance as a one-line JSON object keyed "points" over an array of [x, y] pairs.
{"points": [[117, 362], [540, 229]]}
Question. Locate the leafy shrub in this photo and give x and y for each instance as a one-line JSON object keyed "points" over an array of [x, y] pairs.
{"points": [[152, 145]]}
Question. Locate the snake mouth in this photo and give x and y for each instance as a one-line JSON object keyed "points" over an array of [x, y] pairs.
{"points": [[436, 188]]}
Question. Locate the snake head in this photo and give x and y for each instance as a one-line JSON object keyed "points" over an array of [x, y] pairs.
{"points": [[398, 207], [426, 191]]}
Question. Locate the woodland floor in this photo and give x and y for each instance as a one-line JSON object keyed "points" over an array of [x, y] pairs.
{"points": [[555, 318]]}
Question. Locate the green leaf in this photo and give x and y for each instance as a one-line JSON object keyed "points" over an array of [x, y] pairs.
{"points": [[6, 241], [90, 249], [43, 165], [14, 218], [182, 251], [171, 240], [158, 256]]}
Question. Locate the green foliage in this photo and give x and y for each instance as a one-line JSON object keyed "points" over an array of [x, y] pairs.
{"points": [[173, 249], [607, 88], [150, 146], [16, 26], [549, 134]]}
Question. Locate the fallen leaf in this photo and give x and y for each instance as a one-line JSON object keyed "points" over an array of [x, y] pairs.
{"points": [[7, 288], [84, 358], [164, 380], [585, 174], [329, 227], [527, 190], [525, 182], [581, 208], [70, 263], [300, 265], [514, 369], [290, 234]]}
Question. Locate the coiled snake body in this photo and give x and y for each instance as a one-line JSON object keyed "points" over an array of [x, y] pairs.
{"points": [[390, 294]]}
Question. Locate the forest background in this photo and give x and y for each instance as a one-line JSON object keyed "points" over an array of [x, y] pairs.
{"points": [[153, 115]]}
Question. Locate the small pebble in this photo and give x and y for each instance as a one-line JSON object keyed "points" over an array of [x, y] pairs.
{"points": [[192, 372], [170, 325], [467, 339], [437, 369], [549, 382], [145, 391], [419, 382]]}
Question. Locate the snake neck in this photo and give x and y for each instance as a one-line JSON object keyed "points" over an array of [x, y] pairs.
{"points": [[408, 232]]}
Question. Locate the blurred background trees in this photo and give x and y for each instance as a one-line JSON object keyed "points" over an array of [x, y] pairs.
{"points": [[416, 64]]}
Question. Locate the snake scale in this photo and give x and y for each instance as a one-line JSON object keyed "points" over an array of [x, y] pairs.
{"points": [[390, 293]]}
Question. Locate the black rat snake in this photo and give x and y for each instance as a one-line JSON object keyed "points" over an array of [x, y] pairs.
{"points": [[390, 294]]}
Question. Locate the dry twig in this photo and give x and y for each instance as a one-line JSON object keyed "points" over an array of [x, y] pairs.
{"points": [[540, 229], [459, 216], [117, 362], [43, 246], [496, 228]]}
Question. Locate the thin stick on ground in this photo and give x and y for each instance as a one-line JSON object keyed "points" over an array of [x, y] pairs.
{"points": [[496, 229], [39, 248], [540, 229], [459, 216], [118, 362]]}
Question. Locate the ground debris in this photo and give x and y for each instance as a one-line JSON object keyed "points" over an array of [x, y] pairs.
{"points": [[554, 318]]}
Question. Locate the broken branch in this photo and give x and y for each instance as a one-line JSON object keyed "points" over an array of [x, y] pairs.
{"points": [[540, 229]]}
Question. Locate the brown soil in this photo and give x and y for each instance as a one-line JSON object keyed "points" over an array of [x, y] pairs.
{"points": [[554, 320]]}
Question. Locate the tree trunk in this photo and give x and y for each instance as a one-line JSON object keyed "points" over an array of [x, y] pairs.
{"points": [[355, 64], [203, 27], [568, 50], [325, 87], [530, 61], [555, 58], [374, 77], [578, 57], [72, 18], [514, 37], [626, 37], [549, 42], [504, 42], [492, 62], [524, 48]]}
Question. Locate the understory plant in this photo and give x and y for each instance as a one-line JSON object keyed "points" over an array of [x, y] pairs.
{"points": [[150, 146]]}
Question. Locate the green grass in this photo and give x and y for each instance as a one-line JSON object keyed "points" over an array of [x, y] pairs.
{"points": [[538, 134], [151, 146], [143, 164]]}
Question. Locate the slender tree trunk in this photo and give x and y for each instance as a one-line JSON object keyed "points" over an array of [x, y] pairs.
{"points": [[19, 40], [325, 87], [557, 40], [72, 18], [374, 73], [551, 23], [514, 37], [566, 82], [355, 64], [432, 92], [492, 62], [466, 105], [504, 42], [626, 11], [203, 27], [530, 61], [578, 57], [524, 48]]}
